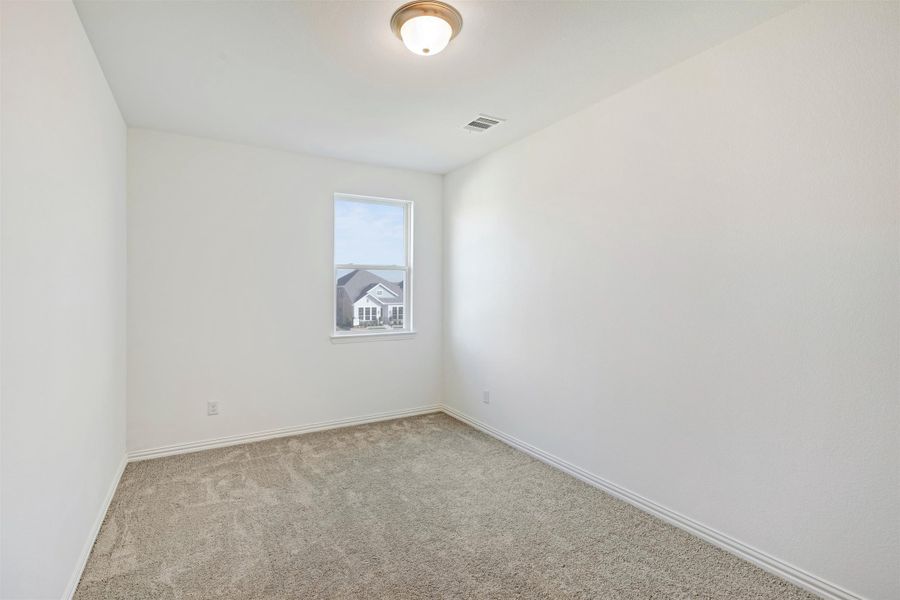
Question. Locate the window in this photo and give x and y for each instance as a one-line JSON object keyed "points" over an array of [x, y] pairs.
{"points": [[372, 266]]}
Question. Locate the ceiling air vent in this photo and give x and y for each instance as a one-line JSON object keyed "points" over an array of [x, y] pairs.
{"points": [[482, 123]]}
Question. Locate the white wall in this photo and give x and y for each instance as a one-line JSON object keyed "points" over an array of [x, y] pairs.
{"points": [[691, 290], [230, 292], [63, 301]]}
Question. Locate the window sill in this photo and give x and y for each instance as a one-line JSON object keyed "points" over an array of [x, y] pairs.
{"points": [[348, 338]]}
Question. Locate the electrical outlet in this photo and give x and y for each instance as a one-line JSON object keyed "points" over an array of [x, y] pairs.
{"points": [[212, 408], [486, 397]]}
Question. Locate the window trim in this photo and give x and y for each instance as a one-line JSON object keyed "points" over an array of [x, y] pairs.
{"points": [[408, 330]]}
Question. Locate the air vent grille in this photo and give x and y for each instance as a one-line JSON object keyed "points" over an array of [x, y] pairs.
{"points": [[482, 123]]}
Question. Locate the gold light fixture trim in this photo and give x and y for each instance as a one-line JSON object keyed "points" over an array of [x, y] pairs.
{"points": [[411, 12]]}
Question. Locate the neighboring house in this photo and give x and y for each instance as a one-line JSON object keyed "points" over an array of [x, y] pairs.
{"points": [[365, 300]]}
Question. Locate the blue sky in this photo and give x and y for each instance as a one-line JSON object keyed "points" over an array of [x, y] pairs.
{"points": [[367, 233]]}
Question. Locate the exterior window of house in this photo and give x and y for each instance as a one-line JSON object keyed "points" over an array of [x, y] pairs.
{"points": [[372, 266]]}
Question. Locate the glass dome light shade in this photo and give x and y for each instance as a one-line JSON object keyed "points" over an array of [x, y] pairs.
{"points": [[426, 35]]}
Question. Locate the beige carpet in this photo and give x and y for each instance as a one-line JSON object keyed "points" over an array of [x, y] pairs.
{"points": [[425, 507]]}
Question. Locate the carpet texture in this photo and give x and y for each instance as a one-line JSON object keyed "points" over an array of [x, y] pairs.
{"points": [[424, 507]]}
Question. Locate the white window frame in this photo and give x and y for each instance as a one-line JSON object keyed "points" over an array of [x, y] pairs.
{"points": [[408, 330]]}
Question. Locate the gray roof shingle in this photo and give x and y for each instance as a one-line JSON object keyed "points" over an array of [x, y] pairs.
{"points": [[357, 283]]}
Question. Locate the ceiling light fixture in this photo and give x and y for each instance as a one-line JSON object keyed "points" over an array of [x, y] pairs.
{"points": [[426, 26]]}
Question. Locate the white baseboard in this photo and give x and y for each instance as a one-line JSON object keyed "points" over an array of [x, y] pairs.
{"points": [[769, 563], [95, 529], [233, 440]]}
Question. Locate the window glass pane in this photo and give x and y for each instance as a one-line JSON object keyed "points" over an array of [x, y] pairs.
{"points": [[360, 308], [367, 233]]}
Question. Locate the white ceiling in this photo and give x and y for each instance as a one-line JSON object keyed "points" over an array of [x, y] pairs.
{"points": [[329, 78]]}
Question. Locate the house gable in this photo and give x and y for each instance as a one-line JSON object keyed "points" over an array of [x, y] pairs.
{"points": [[382, 293]]}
